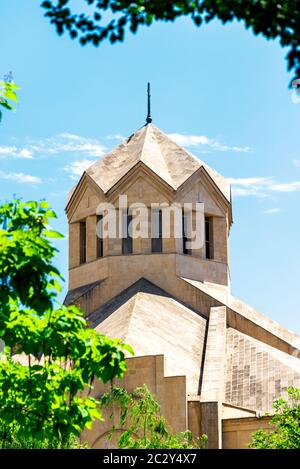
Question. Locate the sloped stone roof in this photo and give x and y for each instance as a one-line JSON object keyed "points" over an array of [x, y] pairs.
{"points": [[223, 296], [76, 293], [160, 153], [153, 322], [256, 374]]}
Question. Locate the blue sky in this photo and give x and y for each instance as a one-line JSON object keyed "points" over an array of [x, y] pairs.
{"points": [[222, 90]]}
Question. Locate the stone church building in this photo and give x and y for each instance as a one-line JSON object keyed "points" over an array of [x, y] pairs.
{"points": [[215, 364]]}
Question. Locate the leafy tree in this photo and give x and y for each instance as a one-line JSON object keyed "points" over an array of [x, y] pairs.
{"points": [[145, 427], [285, 433], [10, 439], [7, 95], [273, 19], [50, 357]]}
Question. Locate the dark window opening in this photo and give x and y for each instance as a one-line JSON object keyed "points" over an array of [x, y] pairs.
{"points": [[156, 231], [185, 239], [99, 242], [208, 238], [127, 240], [82, 242]]}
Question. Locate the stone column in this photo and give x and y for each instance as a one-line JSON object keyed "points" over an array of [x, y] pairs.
{"points": [[220, 239], [212, 388], [169, 243], [91, 238], [74, 248]]}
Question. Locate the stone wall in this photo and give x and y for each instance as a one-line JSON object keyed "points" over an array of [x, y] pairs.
{"points": [[180, 413], [170, 392], [237, 432]]}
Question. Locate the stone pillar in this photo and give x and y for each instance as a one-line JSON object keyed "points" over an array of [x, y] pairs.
{"points": [[91, 238], [74, 248], [212, 388], [112, 245], [211, 424], [220, 239], [169, 243], [200, 251], [140, 221], [194, 416]]}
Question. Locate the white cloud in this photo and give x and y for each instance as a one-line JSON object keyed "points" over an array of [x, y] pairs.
{"points": [[7, 150], [201, 140], [260, 186], [221, 147], [296, 163], [287, 187], [62, 143], [189, 140], [14, 152], [69, 143], [245, 192], [250, 182], [77, 167], [20, 177], [70, 136], [272, 210], [25, 153], [119, 137]]}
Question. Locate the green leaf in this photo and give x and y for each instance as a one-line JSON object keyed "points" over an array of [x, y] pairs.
{"points": [[13, 86], [52, 234], [50, 214], [46, 4], [9, 94], [128, 348], [6, 104]]}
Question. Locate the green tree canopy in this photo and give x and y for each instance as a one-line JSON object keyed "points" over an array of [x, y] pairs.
{"points": [[273, 19], [285, 424], [50, 357]]}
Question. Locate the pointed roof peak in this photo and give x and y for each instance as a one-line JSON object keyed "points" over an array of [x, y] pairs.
{"points": [[160, 153]]}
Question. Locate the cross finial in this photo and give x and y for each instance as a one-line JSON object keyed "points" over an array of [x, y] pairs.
{"points": [[149, 118]]}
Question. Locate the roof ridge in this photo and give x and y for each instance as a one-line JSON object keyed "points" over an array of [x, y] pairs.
{"points": [[165, 137], [150, 127], [251, 314], [146, 127], [134, 298], [211, 171], [158, 143], [179, 146]]}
